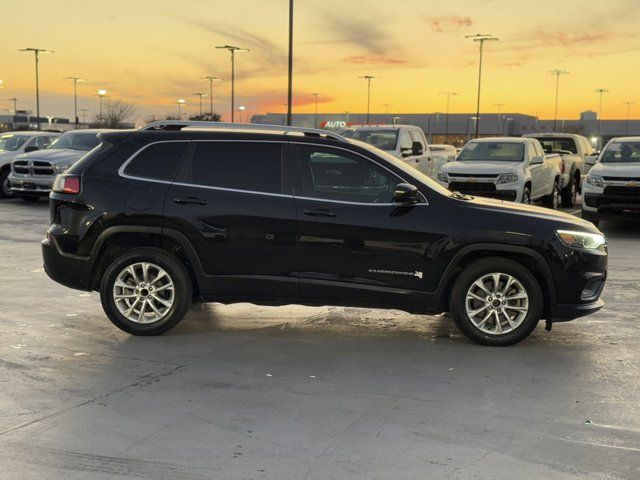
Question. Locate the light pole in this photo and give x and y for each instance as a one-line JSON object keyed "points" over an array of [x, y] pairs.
{"points": [[233, 51], [84, 114], [15, 105], [290, 72], [499, 105], [557, 73], [37, 52], [315, 115], [180, 102], [600, 92], [480, 39], [211, 80], [75, 96], [241, 109], [446, 117], [626, 121], [101, 94], [200, 95], [368, 78]]}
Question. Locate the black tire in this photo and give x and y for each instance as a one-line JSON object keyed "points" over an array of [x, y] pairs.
{"points": [[5, 192], [570, 194], [29, 198], [526, 196], [475, 271], [183, 291], [592, 217], [553, 200]]}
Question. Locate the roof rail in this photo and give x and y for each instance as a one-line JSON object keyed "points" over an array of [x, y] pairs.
{"points": [[179, 125]]}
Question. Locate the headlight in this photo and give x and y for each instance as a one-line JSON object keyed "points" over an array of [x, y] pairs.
{"points": [[443, 177], [507, 178], [595, 180], [59, 168], [589, 241]]}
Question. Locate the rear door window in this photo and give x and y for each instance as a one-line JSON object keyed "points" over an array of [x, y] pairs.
{"points": [[249, 166], [158, 161]]}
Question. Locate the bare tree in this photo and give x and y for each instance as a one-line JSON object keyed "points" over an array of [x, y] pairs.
{"points": [[115, 113], [207, 117]]}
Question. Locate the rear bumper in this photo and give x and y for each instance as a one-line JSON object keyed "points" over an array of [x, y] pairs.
{"points": [[71, 271]]}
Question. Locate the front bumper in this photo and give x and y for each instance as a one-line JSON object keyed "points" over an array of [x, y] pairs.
{"points": [[69, 270], [30, 184], [567, 312]]}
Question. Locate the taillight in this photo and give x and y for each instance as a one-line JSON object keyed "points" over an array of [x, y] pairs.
{"points": [[67, 184]]}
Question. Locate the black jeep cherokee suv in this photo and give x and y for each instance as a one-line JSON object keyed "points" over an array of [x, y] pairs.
{"points": [[177, 211]]}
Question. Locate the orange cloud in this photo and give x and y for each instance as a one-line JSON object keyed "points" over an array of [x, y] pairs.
{"points": [[448, 23]]}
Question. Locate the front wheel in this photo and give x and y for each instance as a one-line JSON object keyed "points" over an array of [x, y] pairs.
{"points": [[553, 199], [5, 191], [496, 302], [570, 194], [146, 291], [526, 196]]}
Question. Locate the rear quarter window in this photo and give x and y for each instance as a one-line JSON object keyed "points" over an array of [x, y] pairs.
{"points": [[159, 161]]}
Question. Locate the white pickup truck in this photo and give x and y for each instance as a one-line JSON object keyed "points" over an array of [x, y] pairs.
{"points": [[574, 150], [405, 142], [506, 168], [613, 184]]}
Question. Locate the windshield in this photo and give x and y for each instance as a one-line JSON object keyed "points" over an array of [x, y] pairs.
{"points": [[621, 152], [11, 142], [76, 141], [382, 139], [496, 151], [410, 171], [553, 145]]}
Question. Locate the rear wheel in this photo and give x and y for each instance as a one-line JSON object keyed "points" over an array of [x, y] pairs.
{"points": [[570, 194], [496, 302], [5, 191], [146, 292]]}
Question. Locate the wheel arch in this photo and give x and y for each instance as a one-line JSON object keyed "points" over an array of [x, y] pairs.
{"points": [[526, 256]]}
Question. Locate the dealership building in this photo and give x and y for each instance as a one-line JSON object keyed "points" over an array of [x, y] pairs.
{"points": [[458, 128]]}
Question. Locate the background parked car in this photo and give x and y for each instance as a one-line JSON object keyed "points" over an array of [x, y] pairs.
{"points": [[613, 184], [514, 169], [574, 150], [13, 144], [405, 142], [32, 174]]}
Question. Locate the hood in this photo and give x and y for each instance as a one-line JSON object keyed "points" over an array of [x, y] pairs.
{"points": [[53, 155], [564, 220], [630, 169], [7, 154], [478, 166]]}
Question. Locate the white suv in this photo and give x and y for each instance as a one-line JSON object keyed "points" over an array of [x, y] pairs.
{"points": [[613, 183]]}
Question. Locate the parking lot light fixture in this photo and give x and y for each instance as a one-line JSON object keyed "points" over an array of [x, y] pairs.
{"points": [[36, 53], [480, 39], [368, 78], [75, 97], [626, 121], [180, 103], [211, 80], [233, 49], [557, 72], [200, 96], [101, 94], [446, 117]]}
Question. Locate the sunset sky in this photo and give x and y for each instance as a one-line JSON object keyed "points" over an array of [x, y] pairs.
{"points": [[152, 52]]}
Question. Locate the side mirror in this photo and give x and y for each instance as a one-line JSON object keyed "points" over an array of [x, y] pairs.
{"points": [[417, 148], [32, 148], [591, 160], [451, 158], [537, 160], [405, 193]]}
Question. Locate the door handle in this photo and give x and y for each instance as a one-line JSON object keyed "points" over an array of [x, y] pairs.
{"points": [[320, 212], [189, 201]]}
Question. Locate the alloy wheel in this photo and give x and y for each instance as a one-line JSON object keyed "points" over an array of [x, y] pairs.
{"points": [[143, 292], [497, 303]]}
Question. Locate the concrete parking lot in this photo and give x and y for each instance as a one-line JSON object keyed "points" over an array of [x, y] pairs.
{"points": [[247, 392]]}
